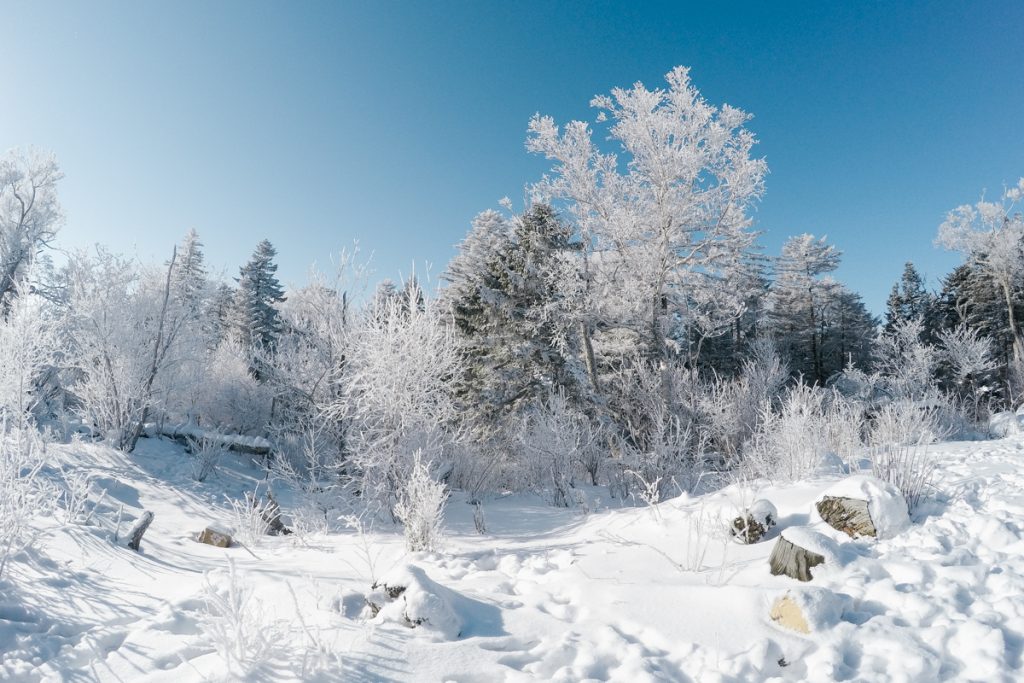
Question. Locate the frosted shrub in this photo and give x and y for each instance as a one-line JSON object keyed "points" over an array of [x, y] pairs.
{"points": [[906, 423], [556, 442], [28, 343], [231, 399], [205, 455], [249, 519], [732, 408], [812, 424], [235, 624], [23, 494], [907, 467], [420, 507], [396, 392]]}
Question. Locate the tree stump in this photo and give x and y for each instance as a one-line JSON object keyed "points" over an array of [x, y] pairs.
{"points": [[211, 536], [848, 515], [791, 560], [135, 535], [272, 516]]}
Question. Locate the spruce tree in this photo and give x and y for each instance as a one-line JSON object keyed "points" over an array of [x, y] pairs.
{"points": [[257, 321], [909, 300], [508, 300]]}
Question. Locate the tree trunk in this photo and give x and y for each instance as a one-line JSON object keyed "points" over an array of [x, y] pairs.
{"points": [[158, 350], [135, 535], [793, 561]]}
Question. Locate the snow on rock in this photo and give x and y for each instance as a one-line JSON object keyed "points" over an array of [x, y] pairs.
{"points": [[1002, 425], [754, 522], [808, 610], [407, 595], [885, 507]]}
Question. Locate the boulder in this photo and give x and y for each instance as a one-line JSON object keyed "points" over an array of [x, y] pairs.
{"points": [[214, 537], [755, 522], [799, 550], [808, 609], [864, 506]]}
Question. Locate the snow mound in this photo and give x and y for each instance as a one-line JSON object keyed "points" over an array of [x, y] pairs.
{"points": [[407, 595], [1002, 425], [763, 512], [808, 610], [886, 505]]}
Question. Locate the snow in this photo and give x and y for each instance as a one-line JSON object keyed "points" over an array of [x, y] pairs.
{"points": [[886, 505], [816, 542], [763, 512], [1004, 424], [654, 593], [821, 608]]}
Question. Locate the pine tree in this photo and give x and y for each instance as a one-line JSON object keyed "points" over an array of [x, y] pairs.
{"points": [[257, 321]]}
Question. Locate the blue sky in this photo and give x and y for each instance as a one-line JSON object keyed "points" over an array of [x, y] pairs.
{"points": [[316, 124]]}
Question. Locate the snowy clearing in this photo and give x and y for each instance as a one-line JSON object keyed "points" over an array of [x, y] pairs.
{"points": [[619, 594]]}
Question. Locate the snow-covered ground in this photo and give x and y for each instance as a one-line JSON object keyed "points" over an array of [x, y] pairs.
{"points": [[616, 593]]}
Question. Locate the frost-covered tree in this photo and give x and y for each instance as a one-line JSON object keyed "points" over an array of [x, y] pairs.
{"points": [[29, 344], [511, 300], [256, 315], [659, 225], [125, 336], [30, 215], [991, 234], [798, 300], [396, 394], [908, 300]]}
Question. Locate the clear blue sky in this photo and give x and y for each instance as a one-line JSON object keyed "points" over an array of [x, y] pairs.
{"points": [[314, 124]]}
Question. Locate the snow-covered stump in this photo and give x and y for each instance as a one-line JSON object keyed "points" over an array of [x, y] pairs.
{"points": [[138, 530], [807, 610], [864, 506], [754, 523], [799, 550], [214, 537]]}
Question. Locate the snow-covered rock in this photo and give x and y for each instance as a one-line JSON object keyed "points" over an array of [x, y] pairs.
{"points": [[754, 522], [407, 595], [863, 505], [808, 610]]}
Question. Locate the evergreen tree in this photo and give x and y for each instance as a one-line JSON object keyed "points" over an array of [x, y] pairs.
{"points": [[508, 300], [909, 300], [798, 302], [257, 320], [189, 283]]}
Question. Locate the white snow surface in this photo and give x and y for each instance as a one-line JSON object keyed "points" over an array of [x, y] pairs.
{"points": [[619, 594], [886, 505]]}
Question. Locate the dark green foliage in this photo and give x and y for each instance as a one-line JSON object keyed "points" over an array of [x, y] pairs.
{"points": [[509, 297]]}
